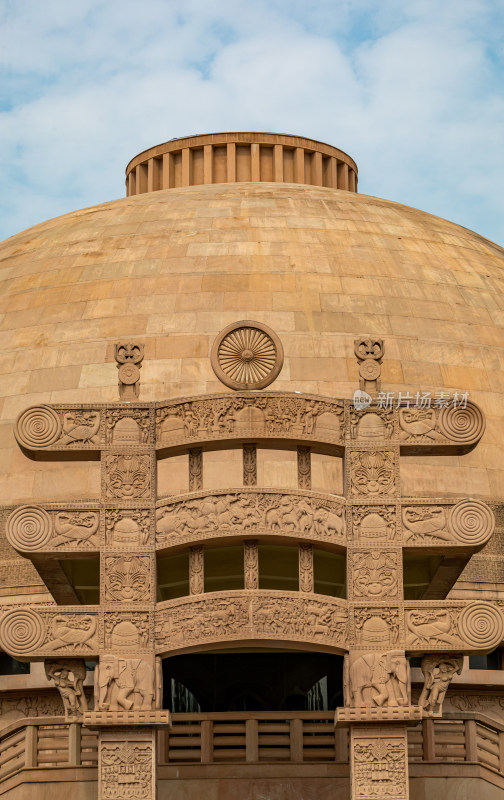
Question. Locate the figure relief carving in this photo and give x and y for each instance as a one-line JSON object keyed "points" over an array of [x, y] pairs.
{"points": [[42, 426], [42, 704], [129, 357], [251, 564], [126, 770], [124, 684], [468, 523], [127, 578], [68, 675], [372, 524], [369, 352], [250, 465], [304, 467], [196, 570], [305, 568], [181, 623], [378, 679], [375, 574], [24, 631], [247, 415], [129, 528], [127, 476], [195, 469], [127, 427], [438, 671], [247, 355], [127, 631], [251, 512], [32, 528], [373, 472], [376, 627], [379, 767]]}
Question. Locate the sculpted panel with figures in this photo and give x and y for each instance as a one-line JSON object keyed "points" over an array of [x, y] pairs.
{"points": [[251, 615], [243, 414], [46, 631], [249, 511], [453, 626]]}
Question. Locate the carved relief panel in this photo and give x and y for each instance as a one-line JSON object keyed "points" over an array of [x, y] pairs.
{"points": [[375, 574], [126, 528], [127, 765], [128, 476], [375, 524], [124, 684], [34, 528], [127, 578], [373, 473], [377, 679], [379, 762]]}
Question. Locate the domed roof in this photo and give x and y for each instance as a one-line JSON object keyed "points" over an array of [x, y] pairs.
{"points": [[172, 268]]}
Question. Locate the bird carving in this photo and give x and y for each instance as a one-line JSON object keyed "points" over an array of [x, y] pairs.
{"points": [[66, 634], [418, 422], [429, 626], [80, 427]]}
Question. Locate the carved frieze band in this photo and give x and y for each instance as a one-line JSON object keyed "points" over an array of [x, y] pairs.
{"points": [[72, 631], [453, 626], [263, 615], [249, 512], [262, 415], [468, 524]]}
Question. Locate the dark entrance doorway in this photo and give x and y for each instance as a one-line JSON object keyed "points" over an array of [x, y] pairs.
{"points": [[253, 681]]}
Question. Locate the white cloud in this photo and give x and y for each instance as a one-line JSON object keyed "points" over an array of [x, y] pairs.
{"points": [[412, 90]]}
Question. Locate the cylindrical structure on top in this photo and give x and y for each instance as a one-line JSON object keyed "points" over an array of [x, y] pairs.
{"points": [[242, 157]]}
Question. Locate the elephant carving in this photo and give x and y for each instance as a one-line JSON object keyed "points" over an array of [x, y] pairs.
{"points": [[378, 679], [125, 684]]}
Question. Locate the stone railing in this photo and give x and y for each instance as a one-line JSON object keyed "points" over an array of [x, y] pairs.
{"points": [[252, 737]]}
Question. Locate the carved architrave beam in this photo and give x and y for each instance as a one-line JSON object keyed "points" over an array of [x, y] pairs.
{"points": [[247, 512], [452, 626], [243, 416], [316, 621]]}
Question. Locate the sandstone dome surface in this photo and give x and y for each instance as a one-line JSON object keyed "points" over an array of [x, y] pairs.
{"points": [[172, 268]]}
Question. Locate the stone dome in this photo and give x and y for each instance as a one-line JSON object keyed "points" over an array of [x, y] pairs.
{"points": [[171, 268]]}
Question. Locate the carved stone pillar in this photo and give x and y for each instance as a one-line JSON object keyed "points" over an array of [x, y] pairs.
{"points": [[304, 467], [376, 673], [127, 677], [195, 469], [305, 568], [196, 570], [251, 564], [250, 465]]}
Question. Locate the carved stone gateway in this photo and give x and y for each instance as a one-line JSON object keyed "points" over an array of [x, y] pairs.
{"points": [[129, 525]]}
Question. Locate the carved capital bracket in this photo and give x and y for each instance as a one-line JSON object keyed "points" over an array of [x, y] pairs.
{"points": [[129, 357]]}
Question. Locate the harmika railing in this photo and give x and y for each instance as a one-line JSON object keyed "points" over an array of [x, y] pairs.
{"points": [[262, 737]]}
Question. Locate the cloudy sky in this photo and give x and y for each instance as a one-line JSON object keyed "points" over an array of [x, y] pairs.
{"points": [[412, 89]]}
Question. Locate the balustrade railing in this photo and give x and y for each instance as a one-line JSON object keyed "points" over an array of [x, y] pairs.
{"points": [[250, 737]]}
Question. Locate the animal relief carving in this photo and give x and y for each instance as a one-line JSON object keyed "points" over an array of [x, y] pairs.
{"points": [[124, 684], [375, 574], [378, 679]]}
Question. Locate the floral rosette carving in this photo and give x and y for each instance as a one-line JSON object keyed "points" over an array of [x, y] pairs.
{"points": [[247, 355]]}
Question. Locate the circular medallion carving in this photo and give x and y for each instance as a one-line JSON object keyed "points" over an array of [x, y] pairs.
{"points": [[38, 426], [247, 355], [21, 631], [370, 369], [129, 373], [471, 522], [29, 528], [462, 425], [481, 626]]}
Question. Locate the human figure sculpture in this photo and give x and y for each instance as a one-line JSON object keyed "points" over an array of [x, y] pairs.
{"points": [[438, 671], [68, 675]]}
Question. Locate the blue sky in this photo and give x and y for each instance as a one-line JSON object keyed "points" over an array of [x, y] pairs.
{"points": [[412, 89]]}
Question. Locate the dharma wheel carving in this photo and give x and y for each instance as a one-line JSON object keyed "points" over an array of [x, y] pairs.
{"points": [[247, 355]]}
